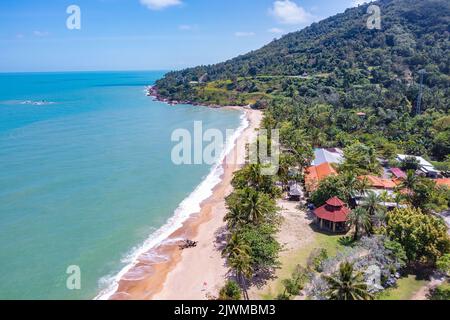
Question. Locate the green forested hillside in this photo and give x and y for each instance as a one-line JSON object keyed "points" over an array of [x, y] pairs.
{"points": [[341, 81]]}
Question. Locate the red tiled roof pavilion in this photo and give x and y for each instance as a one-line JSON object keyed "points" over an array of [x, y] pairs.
{"points": [[334, 210]]}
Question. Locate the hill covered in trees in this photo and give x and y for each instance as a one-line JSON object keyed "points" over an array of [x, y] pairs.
{"points": [[341, 81]]}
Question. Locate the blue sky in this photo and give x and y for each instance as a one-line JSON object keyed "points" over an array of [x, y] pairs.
{"points": [[146, 34]]}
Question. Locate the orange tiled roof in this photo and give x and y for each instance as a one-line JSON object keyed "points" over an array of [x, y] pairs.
{"points": [[380, 183], [315, 174], [397, 181], [443, 182]]}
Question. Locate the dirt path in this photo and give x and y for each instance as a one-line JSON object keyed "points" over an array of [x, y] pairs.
{"points": [[295, 233], [422, 294]]}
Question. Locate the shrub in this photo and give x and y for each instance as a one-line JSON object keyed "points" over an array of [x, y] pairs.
{"points": [[231, 291], [423, 237], [316, 258], [441, 292]]}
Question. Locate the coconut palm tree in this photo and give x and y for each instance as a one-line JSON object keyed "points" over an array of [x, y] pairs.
{"points": [[350, 182], [234, 217], [362, 185], [239, 259], [286, 162], [255, 178], [410, 182], [256, 206], [249, 206], [318, 137], [347, 284], [360, 219], [372, 204]]}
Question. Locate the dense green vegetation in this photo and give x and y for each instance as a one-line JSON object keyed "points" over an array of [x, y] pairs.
{"points": [[341, 82], [252, 221], [423, 237], [442, 292]]}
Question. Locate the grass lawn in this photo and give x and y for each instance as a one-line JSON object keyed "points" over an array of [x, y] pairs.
{"points": [[300, 257], [406, 288]]}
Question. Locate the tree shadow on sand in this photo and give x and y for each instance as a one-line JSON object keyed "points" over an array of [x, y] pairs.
{"points": [[262, 276], [221, 237]]}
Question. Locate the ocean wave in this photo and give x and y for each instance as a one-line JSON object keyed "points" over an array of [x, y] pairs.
{"points": [[28, 102], [188, 207]]}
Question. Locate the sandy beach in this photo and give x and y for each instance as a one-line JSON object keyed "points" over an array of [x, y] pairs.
{"points": [[196, 273]]}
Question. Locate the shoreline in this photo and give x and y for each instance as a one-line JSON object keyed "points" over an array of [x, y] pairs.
{"points": [[165, 271], [152, 92]]}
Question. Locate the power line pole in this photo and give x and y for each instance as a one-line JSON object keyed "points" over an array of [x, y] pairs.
{"points": [[419, 98]]}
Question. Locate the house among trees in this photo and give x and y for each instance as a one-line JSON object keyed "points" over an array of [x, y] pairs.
{"points": [[315, 174], [424, 166], [379, 183], [330, 155], [360, 198], [332, 215], [398, 173]]}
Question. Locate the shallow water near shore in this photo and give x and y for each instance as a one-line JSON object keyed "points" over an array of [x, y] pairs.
{"points": [[86, 176]]}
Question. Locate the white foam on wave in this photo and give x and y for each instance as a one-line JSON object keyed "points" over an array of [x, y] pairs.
{"points": [[188, 207], [28, 102]]}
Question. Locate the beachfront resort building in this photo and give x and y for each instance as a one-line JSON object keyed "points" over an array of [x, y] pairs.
{"points": [[424, 166], [332, 215], [379, 183], [383, 188], [315, 174], [329, 155], [398, 173]]}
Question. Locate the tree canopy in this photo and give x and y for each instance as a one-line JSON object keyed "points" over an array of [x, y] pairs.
{"points": [[423, 236]]}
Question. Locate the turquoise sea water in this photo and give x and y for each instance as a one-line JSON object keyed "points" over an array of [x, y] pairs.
{"points": [[86, 176]]}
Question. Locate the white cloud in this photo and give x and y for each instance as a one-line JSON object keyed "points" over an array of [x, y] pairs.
{"points": [[160, 4], [40, 34], [188, 27], [244, 34], [276, 30], [359, 2], [185, 27], [289, 12]]}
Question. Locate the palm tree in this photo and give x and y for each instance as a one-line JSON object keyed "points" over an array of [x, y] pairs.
{"points": [[255, 177], [350, 182], [318, 137], [348, 284], [299, 146], [234, 217], [408, 185], [249, 176], [362, 185], [372, 204], [249, 206], [239, 259], [410, 181], [360, 219], [256, 206], [286, 162]]}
